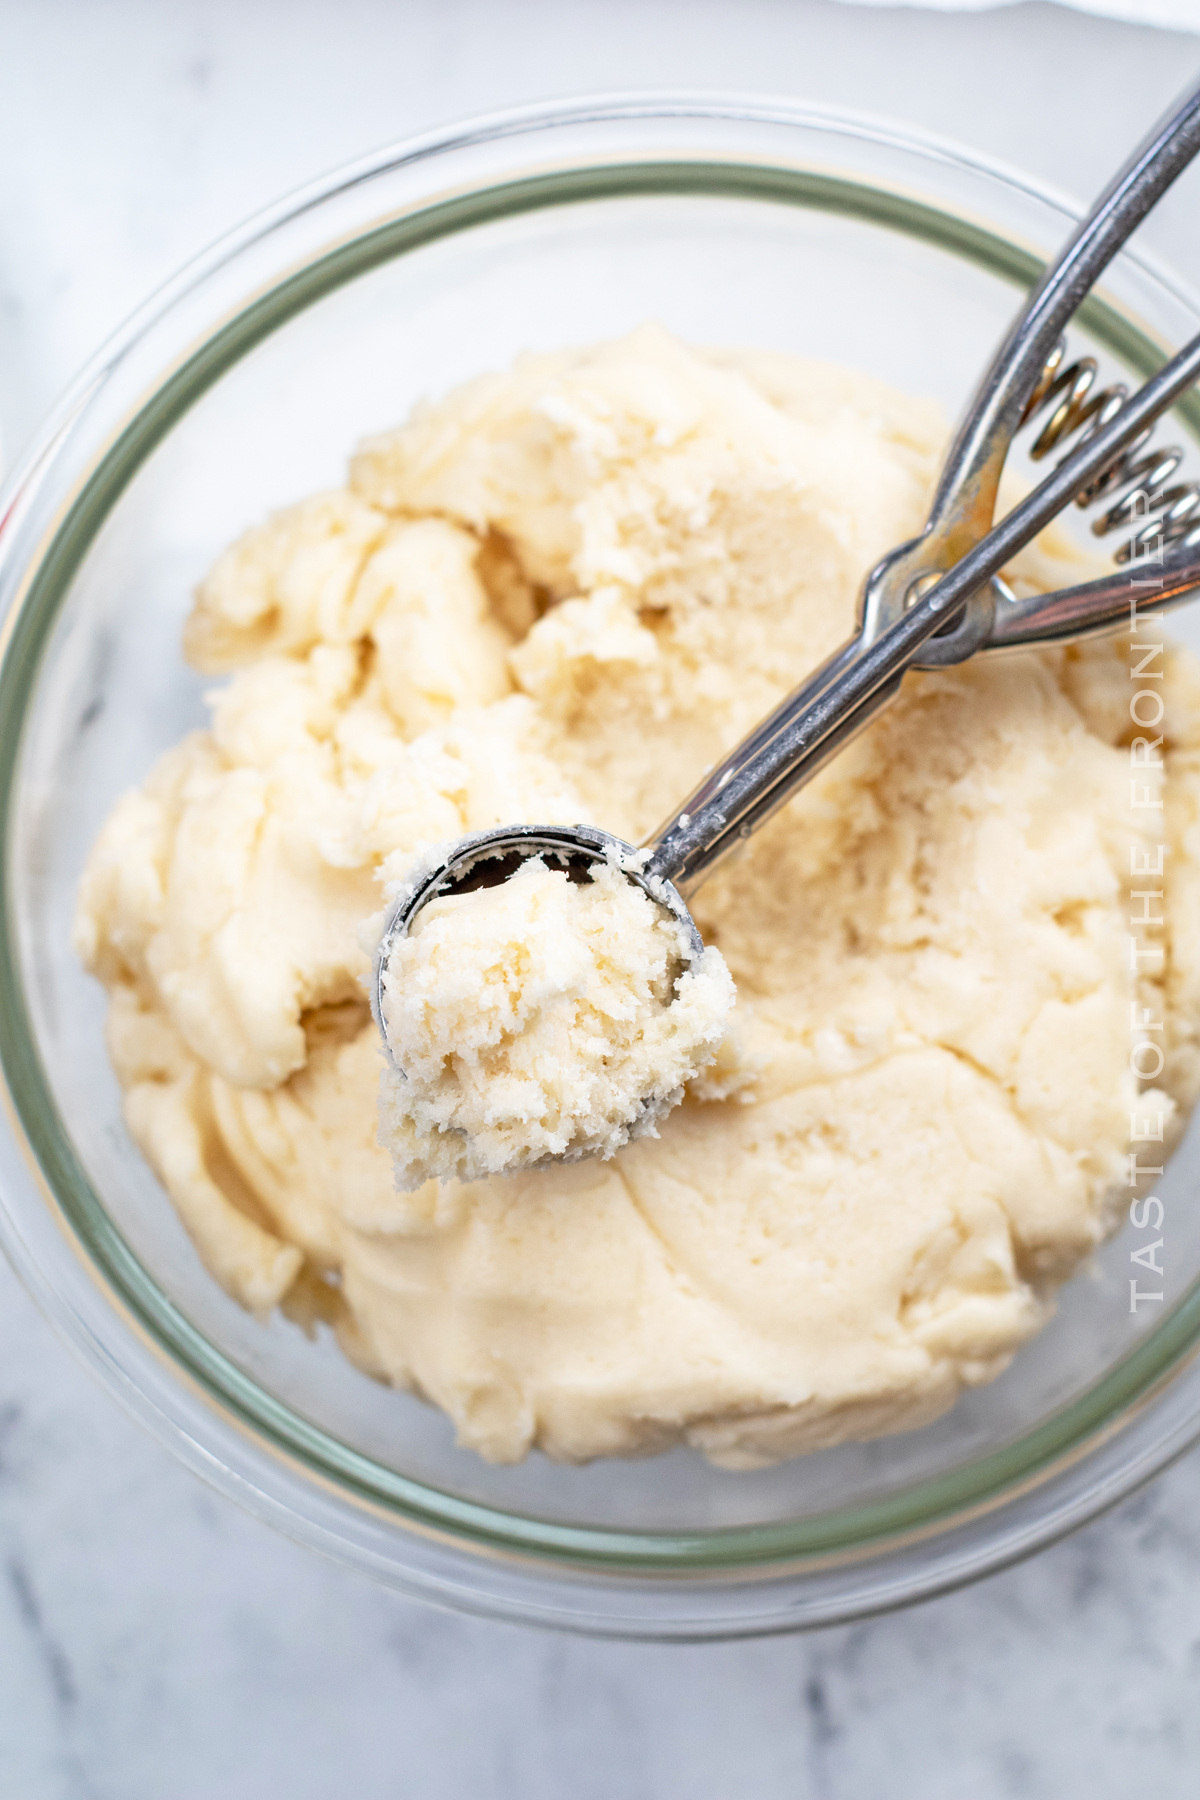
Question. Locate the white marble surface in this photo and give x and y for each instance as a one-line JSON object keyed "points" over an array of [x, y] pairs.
{"points": [[153, 1641]]}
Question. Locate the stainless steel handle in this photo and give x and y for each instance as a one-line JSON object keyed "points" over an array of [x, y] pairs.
{"points": [[1124, 596], [965, 500]]}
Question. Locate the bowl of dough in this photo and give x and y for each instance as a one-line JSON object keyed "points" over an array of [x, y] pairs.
{"points": [[509, 476]]}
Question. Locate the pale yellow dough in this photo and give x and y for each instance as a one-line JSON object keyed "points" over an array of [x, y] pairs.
{"points": [[560, 594], [541, 1018]]}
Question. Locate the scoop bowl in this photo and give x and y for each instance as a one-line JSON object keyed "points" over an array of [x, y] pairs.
{"points": [[486, 858]]}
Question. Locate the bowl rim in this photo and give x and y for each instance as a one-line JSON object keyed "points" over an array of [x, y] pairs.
{"points": [[978, 1487]]}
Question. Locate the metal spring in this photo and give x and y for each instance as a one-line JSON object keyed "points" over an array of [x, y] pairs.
{"points": [[1164, 515]]}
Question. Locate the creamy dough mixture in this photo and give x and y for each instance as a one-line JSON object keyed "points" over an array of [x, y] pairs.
{"points": [[560, 594], [541, 1018]]}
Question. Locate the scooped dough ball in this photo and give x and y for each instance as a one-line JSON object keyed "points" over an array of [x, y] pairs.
{"points": [[541, 1018]]}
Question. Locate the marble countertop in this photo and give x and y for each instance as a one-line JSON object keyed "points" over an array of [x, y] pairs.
{"points": [[153, 1640]]}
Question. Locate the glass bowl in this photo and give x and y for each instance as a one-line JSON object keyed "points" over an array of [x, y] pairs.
{"points": [[244, 385]]}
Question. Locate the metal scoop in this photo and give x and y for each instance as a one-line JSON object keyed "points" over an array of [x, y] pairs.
{"points": [[929, 603]]}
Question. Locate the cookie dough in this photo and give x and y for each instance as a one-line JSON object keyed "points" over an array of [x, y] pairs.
{"points": [[541, 1018], [560, 594]]}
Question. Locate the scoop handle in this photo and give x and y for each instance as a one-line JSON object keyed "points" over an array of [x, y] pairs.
{"points": [[913, 595], [970, 477], [964, 503], [1125, 596]]}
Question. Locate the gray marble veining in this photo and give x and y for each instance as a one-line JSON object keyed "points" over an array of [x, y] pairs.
{"points": [[155, 1641]]}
